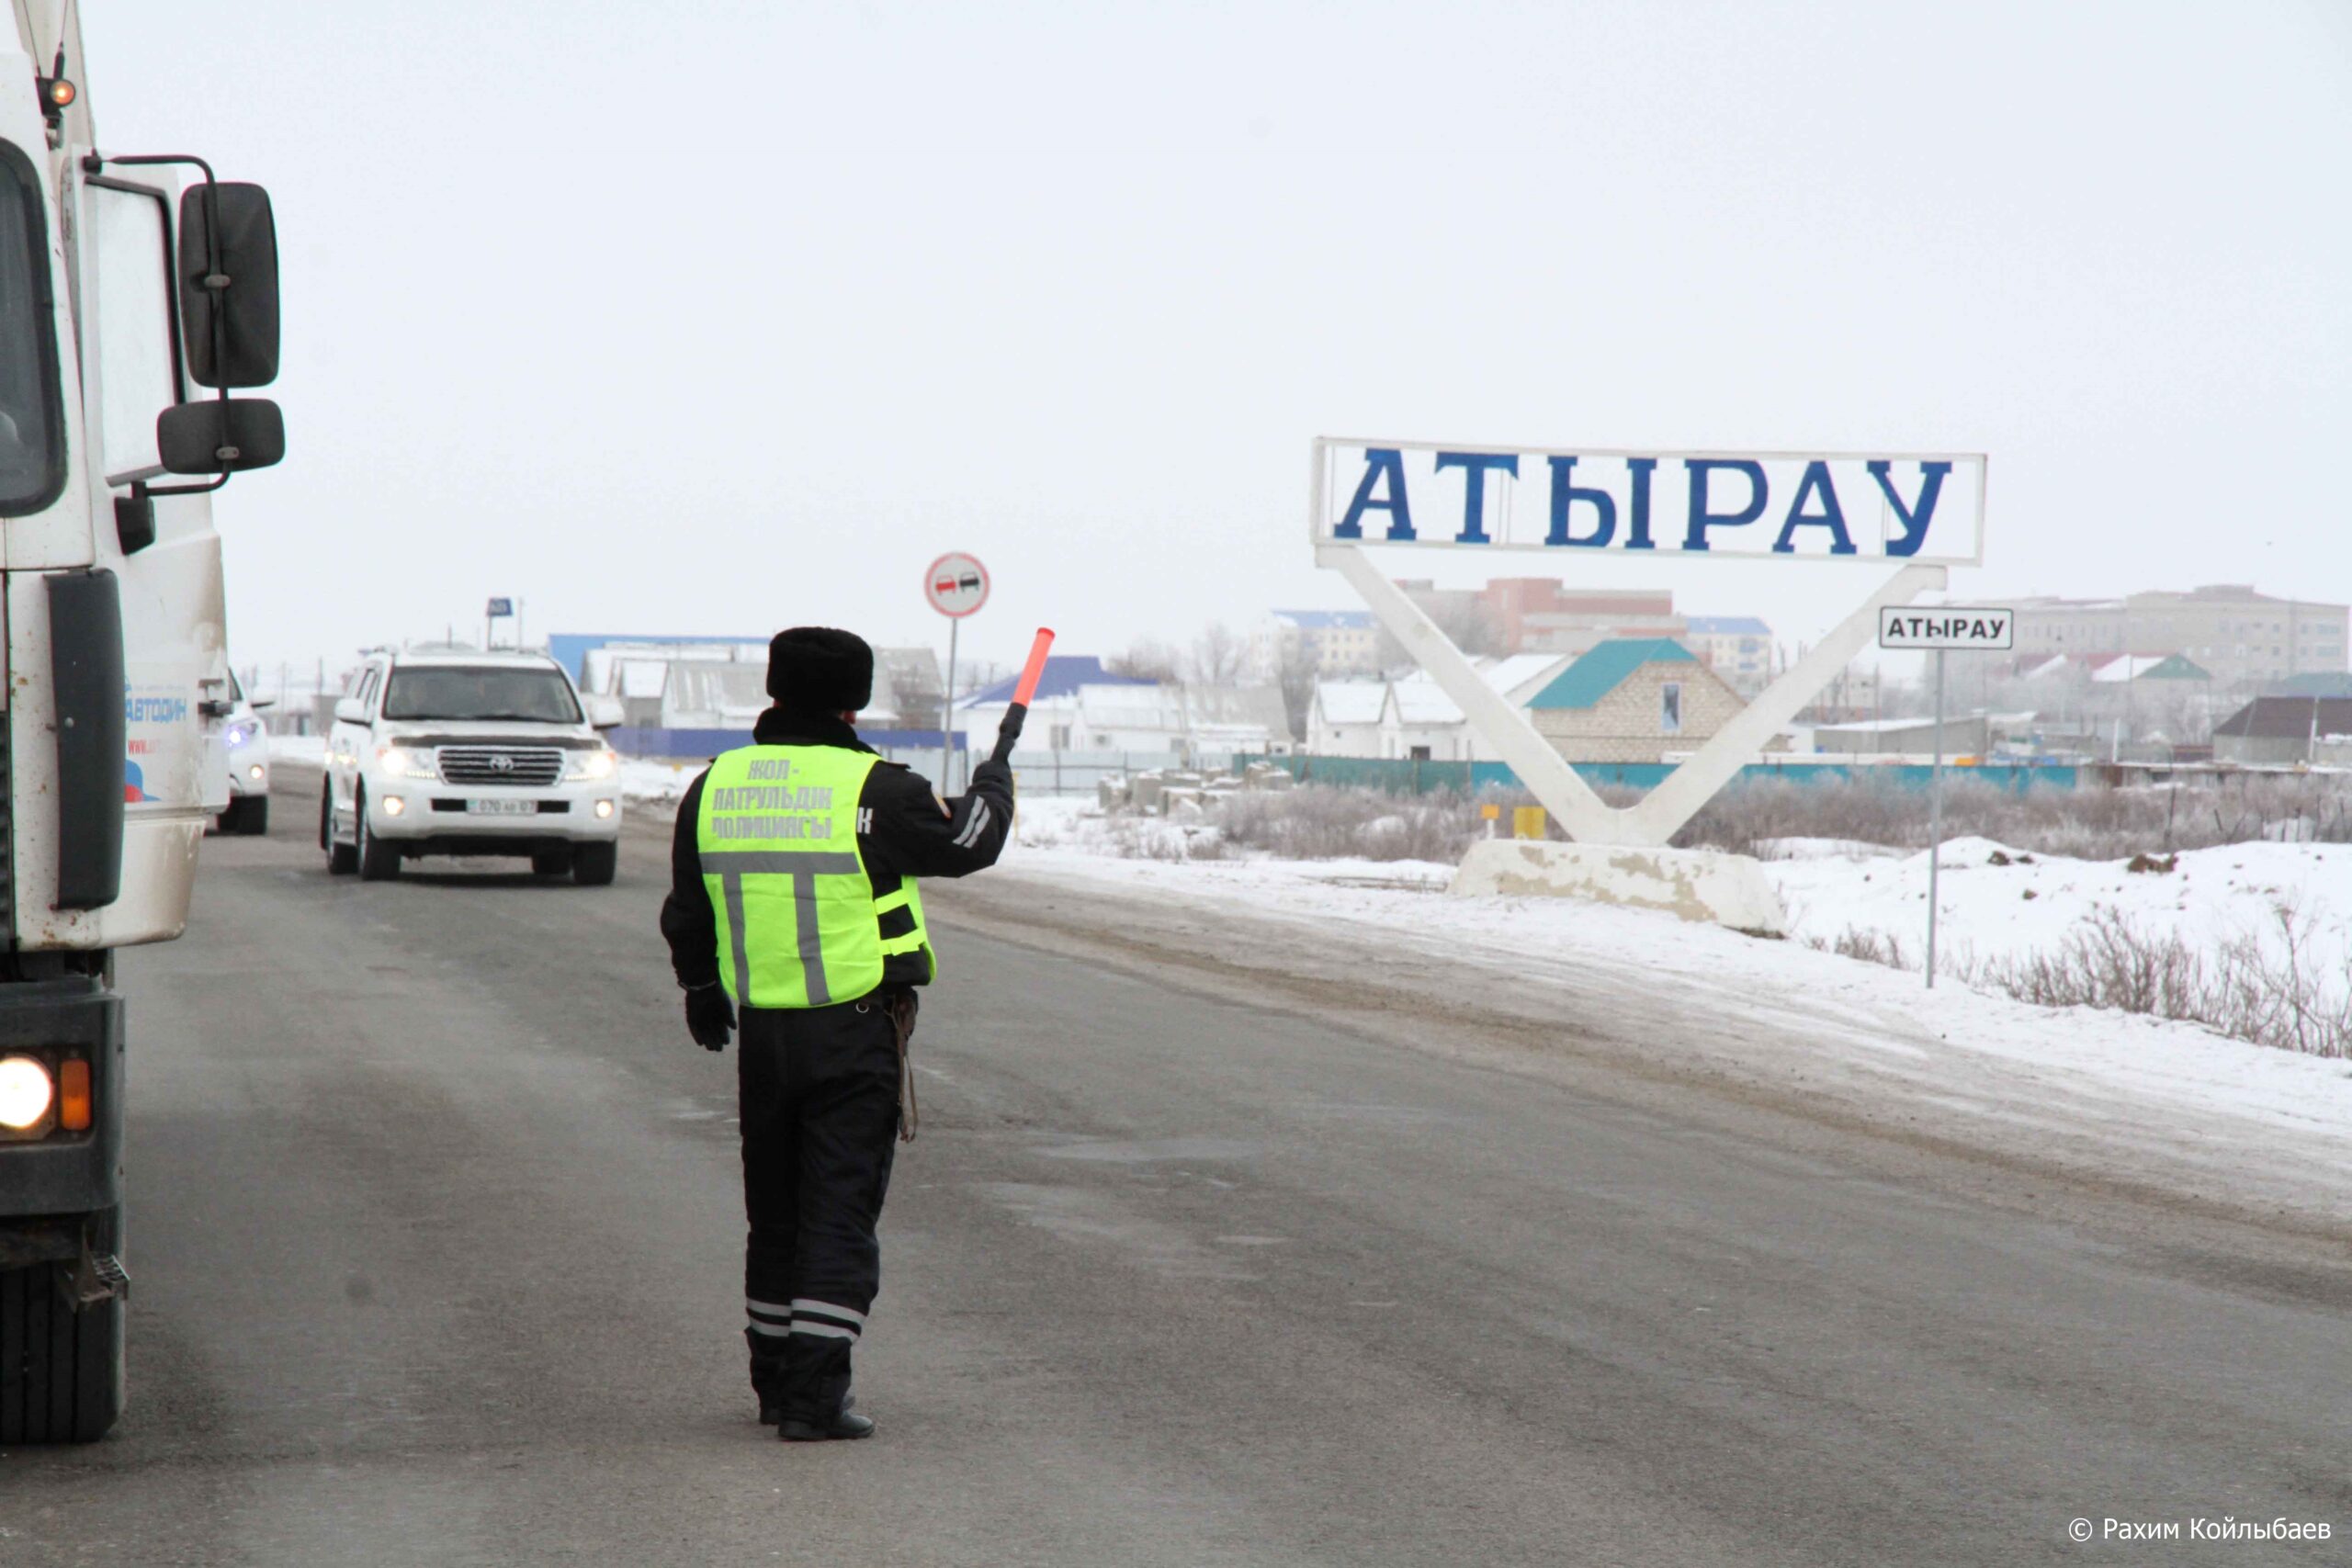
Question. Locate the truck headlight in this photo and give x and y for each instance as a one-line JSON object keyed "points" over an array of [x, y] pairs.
{"points": [[600, 763], [25, 1092], [406, 763]]}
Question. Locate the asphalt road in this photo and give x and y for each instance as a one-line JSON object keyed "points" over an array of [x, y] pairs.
{"points": [[435, 1233]]}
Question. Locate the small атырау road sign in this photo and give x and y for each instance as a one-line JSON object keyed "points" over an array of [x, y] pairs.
{"points": [[1947, 626]]}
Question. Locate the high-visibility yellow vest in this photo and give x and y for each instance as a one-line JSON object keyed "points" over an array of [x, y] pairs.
{"points": [[798, 924]]}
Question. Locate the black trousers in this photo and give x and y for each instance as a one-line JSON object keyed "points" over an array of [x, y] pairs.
{"points": [[819, 1091]]}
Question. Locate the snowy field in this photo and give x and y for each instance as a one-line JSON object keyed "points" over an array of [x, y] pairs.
{"points": [[1986, 912]]}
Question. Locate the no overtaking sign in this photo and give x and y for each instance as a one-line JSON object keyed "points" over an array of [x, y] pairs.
{"points": [[1947, 626]]}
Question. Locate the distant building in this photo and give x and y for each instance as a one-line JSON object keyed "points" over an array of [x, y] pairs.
{"points": [[1344, 719], [2243, 638], [1633, 700], [1328, 644], [1540, 614], [2283, 731], [1963, 737], [1412, 717], [1738, 648], [1054, 711], [721, 683]]}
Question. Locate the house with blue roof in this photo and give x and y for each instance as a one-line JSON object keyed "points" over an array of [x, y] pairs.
{"points": [[1738, 647], [1633, 700]]}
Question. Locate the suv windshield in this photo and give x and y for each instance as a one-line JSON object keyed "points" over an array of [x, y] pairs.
{"points": [[464, 692], [32, 456]]}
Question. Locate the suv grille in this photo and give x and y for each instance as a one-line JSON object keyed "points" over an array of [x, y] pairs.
{"points": [[534, 766]]}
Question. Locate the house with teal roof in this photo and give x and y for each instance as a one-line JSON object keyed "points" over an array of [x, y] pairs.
{"points": [[1633, 700]]}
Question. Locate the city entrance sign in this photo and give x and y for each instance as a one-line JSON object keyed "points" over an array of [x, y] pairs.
{"points": [[1919, 514], [1927, 508]]}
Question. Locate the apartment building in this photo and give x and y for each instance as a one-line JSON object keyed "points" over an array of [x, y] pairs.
{"points": [[1738, 648], [1331, 644], [2243, 637]]}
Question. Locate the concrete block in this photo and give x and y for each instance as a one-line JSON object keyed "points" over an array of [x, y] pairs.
{"points": [[1278, 781], [1696, 885], [1182, 802], [1176, 780], [1111, 793], [1145, 793]]}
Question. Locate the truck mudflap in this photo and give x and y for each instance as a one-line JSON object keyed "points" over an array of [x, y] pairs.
{"points": [[65, 1173]]}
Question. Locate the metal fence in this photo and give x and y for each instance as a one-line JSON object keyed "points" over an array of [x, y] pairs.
{"points": [[1041, 773], [1414, 776]]}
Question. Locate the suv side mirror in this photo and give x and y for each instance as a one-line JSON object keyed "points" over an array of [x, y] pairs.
{"points": [[220, 436], [350, 710], [228, 284], [604, 711]]}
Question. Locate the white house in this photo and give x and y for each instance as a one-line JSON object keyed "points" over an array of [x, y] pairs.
{"points": [[1413, 717], [1343, 718]]}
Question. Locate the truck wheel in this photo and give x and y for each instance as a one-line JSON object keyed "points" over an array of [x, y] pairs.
{"points": [[551, 862], [342, 858], [593, 865], [60, 1370], [379, 861]]}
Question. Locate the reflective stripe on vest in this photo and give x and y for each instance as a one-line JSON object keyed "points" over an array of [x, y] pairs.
{"points": [[798, 922]]}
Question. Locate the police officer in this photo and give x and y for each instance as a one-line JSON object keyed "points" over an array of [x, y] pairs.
{"points": [[793, 897]]}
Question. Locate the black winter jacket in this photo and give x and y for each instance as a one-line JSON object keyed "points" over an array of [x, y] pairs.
{"points": [[903, 831]]}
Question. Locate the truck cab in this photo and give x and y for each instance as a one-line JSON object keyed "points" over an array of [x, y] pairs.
{"points": [[138, 294]]}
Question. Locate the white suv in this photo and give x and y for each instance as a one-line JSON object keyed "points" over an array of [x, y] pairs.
{"points": [[459, 753]]}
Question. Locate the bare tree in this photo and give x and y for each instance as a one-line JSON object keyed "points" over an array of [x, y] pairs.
{"points": [[1469, 623], [1219, 656], [1148, 659]]}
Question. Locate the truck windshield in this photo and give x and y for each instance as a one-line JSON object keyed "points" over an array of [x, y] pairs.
{"points": [[32, 450], [459, 691]]}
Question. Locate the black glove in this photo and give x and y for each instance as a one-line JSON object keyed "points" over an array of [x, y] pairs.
{"points": [[710, 1018], [994, 773]]}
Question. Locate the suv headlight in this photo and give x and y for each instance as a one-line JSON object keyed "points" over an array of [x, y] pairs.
{"points": [[406, 763], [582, 766]]}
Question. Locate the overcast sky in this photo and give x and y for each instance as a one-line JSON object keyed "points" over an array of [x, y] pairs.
{"points": [[711, 317]]}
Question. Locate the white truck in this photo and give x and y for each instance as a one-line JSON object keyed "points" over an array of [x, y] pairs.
{"points": [[137, 294]]}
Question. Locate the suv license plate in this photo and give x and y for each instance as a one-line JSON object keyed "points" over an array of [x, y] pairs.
{"points": [[502, 807]]}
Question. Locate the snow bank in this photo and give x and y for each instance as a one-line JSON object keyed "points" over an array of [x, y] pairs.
{"points": [[1854, 1010], [1994, 903]]}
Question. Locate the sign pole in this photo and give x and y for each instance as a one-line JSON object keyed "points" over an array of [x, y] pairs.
{"points": [[1936, 820], [947, 714]]}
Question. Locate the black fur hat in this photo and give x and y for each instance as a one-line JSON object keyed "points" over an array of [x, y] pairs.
{"points": [[816, 670]]}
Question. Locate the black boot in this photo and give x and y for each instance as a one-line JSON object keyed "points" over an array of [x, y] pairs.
{"points": [[797, 1427], [772, 1406]]}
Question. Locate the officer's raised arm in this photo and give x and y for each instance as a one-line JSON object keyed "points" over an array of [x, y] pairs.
{"points": [[921, 836]]}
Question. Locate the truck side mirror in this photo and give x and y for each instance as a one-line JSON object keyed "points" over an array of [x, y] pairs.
{"points": [[228, 285], [220, 436]]}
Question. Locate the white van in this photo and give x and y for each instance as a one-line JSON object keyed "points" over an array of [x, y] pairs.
{"points": [[460, 752]]}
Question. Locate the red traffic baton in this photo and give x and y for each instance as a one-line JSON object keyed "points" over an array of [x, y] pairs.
{"points": [[1009, 731]]}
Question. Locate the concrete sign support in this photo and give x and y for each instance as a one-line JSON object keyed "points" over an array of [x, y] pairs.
{"points": [[956, 585], [1977, 628], [1918, 514]]}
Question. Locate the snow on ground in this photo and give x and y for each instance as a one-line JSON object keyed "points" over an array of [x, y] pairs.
{"points": [[1993, 902], [1848, 1004]]}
